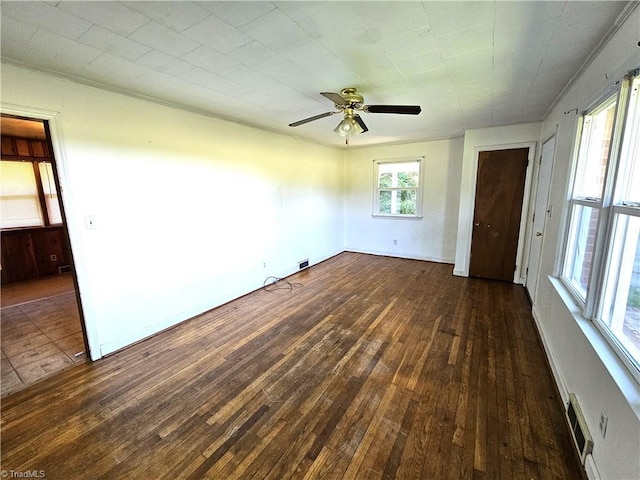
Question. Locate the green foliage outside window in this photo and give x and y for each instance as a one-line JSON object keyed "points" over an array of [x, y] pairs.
{"points": [[385, 180], [407, 202], [634, 298], [406, 205], [408, 179], [385, 201], [397, 185]]}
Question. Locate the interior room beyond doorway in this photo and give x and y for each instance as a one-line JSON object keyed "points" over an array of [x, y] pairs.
{"points": [[41, 331]]}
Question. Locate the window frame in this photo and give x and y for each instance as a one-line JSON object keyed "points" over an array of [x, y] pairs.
{"points": [[31, 194], [50, 197], [587, 302], [377, 189], [611, 257], [44, 210], [610, 207]]}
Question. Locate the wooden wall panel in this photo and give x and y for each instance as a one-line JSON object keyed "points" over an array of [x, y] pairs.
{"points": [[55, 240], [8, 147], [41, 253], [39, 149], [18, 258], [26, 254], [15, 148], [22, 145]]}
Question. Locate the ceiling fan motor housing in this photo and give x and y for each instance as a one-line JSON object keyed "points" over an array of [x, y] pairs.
{"points": [[356, 100]]}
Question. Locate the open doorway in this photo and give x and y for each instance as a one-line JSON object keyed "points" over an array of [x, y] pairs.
{"points": [[40, 318]]}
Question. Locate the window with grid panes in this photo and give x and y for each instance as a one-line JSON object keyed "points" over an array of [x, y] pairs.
{"points": [[601, 263], [20, 204], [398, 188]]}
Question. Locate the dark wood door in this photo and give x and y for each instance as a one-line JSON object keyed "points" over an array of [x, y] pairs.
{"points": [[498, 207]]}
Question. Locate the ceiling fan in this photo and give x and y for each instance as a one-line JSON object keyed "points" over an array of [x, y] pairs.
{"points": [[348, 102]]}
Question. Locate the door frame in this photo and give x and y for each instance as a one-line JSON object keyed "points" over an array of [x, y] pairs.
{"points": [[72, 217], [523, 243], [542, 215]]}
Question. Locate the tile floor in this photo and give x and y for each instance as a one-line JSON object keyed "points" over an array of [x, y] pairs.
{"points": [[40, 336]]}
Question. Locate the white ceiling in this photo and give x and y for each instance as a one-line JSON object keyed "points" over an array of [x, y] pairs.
{"points": [[468, 64]]}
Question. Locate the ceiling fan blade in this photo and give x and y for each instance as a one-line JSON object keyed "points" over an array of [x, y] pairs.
{"points": [[311, 119], [401, 109], [358, 119], [335, 98]]}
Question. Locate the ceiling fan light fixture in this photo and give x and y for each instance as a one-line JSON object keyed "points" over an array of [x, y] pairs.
{"points": [[348, 126]]}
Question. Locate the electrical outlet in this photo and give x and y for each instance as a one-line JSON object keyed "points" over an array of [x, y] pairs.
{"points": [[53, 258], [602, 424]]}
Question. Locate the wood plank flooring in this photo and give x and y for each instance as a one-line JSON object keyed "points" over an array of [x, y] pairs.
{"points": [[365, 368]]}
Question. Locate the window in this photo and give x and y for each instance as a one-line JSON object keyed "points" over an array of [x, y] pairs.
{"points": [[398, 188], [19, 195], [50, 193], [27, 199], [586, 202], [601, 263]]}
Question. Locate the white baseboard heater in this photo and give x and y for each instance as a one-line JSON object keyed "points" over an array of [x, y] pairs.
{"points": [[579, 431]]}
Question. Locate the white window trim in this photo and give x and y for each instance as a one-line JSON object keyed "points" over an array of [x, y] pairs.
{"points": [[590, 308], [419, 190], [602, 204], [625, 378]]}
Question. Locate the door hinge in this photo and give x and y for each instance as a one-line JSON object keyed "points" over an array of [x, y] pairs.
{"points": [[534, 218]]}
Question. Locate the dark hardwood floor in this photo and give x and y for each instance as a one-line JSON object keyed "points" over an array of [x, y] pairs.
{"points": [[366, 368]]}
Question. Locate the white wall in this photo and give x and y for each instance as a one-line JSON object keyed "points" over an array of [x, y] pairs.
{"points": [[475, 141], [582, 362], [431, 237], [188, 208]]}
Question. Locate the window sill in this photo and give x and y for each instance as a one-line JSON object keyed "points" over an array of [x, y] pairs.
{"points": [[406, 217], [31, 228], [627, 384]]}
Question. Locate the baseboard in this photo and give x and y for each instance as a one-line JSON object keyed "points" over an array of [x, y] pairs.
{"points": [[128, 339], [402, 255], [562, 388]]}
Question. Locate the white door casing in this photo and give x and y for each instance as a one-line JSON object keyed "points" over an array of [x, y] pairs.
{"points": [[540, 213]]}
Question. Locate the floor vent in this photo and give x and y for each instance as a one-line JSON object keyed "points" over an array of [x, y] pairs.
{"points": [[579, 431], [64, 269]]}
